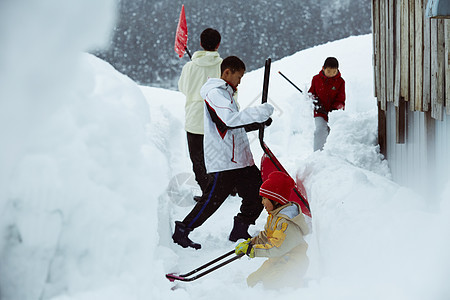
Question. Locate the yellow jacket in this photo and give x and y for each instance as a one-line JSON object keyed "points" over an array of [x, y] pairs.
{"points": [[204, 65], [282, 242]]}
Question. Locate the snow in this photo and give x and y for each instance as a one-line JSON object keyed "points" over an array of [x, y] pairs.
{"points": [[95, 170]]}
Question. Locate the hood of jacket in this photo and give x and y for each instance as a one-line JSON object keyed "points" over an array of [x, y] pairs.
{"points": [[213, 83], [292, 212], [206, 58]]}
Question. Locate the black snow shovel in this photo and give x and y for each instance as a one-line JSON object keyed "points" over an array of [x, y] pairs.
{"points": [[269, 163], [192, 275]]}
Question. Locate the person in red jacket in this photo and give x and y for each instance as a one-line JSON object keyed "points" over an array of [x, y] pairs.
{"points": [[328, 90]]}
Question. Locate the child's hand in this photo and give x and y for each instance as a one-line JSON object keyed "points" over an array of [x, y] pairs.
{"points": [[245, 248]]}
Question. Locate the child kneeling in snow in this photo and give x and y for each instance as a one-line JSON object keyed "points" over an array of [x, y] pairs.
{"points": [[282, 239]]}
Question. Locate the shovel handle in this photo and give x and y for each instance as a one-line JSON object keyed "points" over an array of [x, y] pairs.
{"points": [[290, 82], [208, 264], [172, 276], [264, 96]]}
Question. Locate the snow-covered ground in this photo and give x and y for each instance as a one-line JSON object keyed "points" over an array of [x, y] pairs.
{"points": [[94, 171]]}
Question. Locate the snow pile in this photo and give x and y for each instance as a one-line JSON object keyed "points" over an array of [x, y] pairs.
{"points": [[95, 170], [77, 194]]}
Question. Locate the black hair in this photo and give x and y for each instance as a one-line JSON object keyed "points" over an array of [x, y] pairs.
{"points": [[210, 39], [275, 204], [331, 62], [233, 63]]}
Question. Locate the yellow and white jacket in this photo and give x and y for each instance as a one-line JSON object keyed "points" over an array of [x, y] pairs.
{"points": [[282, 242], [204, 65]]}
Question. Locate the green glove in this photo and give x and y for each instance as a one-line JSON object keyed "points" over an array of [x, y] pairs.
{"points": [[245, 248]]}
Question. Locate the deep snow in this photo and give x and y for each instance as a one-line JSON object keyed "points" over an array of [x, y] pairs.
{"points": [[94, 171]]}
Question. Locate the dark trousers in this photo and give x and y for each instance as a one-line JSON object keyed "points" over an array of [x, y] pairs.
{"points": [[195, 145], [247, 182]]}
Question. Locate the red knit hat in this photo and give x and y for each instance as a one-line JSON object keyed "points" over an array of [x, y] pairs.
{"points": [[277, 187]]}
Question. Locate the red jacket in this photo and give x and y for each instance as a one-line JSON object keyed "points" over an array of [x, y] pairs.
{"points": [[329, 92]]}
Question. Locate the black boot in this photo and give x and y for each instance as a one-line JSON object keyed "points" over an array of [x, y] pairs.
{"points": [[239, 230], [180, 236]]}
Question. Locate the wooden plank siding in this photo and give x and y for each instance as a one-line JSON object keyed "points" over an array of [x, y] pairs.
{"points": [[437, 68], [412, 54], [447, 65], [390, 48], [404, 51], [426, 61], [418, 80], [382, 51], [411, 57], [412, 87], [376, 43], [397, 51]]}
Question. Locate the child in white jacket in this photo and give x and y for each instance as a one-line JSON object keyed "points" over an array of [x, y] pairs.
{"points": [[282, 238], [227, 155]]}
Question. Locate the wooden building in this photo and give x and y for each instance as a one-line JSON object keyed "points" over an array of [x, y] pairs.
{"points": [[411, 55]]}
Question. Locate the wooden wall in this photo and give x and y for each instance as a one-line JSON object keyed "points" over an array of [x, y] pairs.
{"points": [[411, 58]]}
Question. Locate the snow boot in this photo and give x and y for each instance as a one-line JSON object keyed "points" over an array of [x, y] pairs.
{"points": [[180, 236], [239, 230]]}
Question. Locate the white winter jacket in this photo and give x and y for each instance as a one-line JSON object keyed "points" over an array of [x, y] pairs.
{"points": [[225, 143], [204, 65]]}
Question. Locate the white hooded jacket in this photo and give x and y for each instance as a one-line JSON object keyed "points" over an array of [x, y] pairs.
{"points": [[204, 65], [225, 140]]}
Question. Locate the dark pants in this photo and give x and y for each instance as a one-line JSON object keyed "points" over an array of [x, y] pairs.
{"points": [[195, 145], [247, 182]]}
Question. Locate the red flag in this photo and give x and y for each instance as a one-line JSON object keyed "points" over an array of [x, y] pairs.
{"points": [[182, 34]]}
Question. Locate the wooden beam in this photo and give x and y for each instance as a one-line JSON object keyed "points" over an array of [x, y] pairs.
{"points": [[400, 122], [418, 81], [404, 51], [441, 62], [412, 55], [383, 54], [447, 65], [390, 9], [382, 140], [426, 62], [376, 44], [397, 53], [437, 68]]}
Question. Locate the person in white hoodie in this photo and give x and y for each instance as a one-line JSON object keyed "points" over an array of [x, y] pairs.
{"points": [[228, 157], [204, 64]]}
